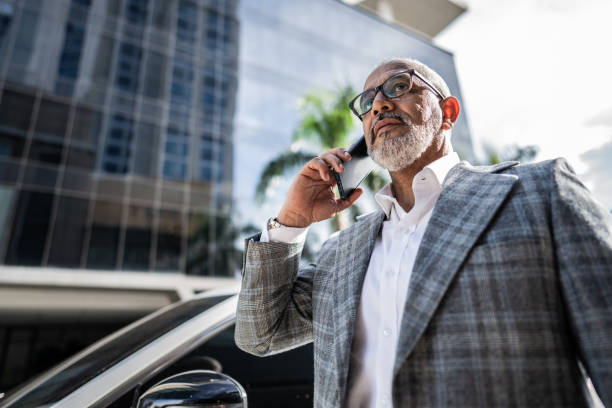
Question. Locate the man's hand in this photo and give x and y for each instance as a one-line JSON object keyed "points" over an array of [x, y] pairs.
{"points": [[311, 196]]}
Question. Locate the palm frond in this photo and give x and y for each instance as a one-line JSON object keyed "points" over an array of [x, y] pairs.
{"points": [[277, 167]]}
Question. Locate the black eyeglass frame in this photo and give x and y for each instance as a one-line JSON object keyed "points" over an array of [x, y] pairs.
{"points": [[378, 88]]}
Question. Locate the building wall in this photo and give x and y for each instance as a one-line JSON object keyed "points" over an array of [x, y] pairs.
{"points": [[116, 132]]}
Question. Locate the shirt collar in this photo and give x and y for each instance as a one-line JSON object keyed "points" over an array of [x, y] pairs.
{"points": [[439, 168]]}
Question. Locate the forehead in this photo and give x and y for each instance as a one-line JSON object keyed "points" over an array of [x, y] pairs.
{"points": [[383, 72]]}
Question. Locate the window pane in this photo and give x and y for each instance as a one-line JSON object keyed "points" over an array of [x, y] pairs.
{"points": [[146, 152], [155, 75], [10, 145], [71, 53], [128, 67], [136, 11], [138, 238], [81, 158], [197, 244], [169, 240], [52, 119], [68, 232], [29, 233], [104, 239], [46, 152], [16, 111], [7, 195], [86, 126], [24, 43], [161, 17], [118, 143], [104, 56], [6, 15]]}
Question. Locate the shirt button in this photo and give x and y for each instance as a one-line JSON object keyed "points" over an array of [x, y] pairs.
{"points": [[384, 401], [387, 332]]}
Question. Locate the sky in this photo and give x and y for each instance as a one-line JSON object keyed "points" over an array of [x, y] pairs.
{"points": [[539, 72]]}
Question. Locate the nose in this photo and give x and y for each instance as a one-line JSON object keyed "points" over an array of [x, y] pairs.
{"points": [[381, 104]]}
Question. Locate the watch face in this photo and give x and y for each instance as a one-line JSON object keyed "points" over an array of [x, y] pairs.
{"points": [[272, 223]]}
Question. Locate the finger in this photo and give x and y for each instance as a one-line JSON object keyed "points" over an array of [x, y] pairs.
{"points": [[342, 153], [320, 166], [344, 204], [333, 160]]}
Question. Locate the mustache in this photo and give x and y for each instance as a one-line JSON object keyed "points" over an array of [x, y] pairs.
{"points": [[385, 115]]}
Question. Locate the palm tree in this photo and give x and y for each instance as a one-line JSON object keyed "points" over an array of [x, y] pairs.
{"points": [[513, 152], [326, 122]]}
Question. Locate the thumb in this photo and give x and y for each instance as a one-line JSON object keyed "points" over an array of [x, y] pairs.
{"points": [[342, 205]]}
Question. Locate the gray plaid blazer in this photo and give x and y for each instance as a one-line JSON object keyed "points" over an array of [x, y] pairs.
{"points": [[512, 286]]}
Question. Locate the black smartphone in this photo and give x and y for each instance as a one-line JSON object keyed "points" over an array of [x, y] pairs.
{"points": [[355, 170]]}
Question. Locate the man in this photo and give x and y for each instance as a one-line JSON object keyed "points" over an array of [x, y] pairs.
{"points": [[472, 286]]}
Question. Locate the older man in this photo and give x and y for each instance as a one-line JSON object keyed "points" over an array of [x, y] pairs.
{"points": [[471, 286]]}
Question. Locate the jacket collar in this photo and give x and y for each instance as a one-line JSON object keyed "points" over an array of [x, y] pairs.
{"points": [[470, 198]]}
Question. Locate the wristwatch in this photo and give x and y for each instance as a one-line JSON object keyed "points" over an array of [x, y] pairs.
{"points": [[273, 223]]}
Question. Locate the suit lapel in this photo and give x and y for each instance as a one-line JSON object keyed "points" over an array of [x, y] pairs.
{"points": [[469, 199], [355, 247]]}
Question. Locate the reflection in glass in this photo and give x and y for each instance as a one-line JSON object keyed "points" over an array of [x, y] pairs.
{"points": [[46, 152], [10, 145], [146, 150], [138, 238], [68, 232], [198, 240], [210, 245], [169, 240], [52, 119], [161, 17], [6, 15], [29, 234], [26, 35], [16, 111], [136, 11], [141, 98], [118, 141], [155, 75], [84, 158], [73, 44], [104, 56], [186, 25], [40, 175], [6, 204], [128, 67], [104, 240], [86, 126]]}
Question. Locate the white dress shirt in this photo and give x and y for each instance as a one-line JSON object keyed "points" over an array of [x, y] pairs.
{"points": [[385, 285]]}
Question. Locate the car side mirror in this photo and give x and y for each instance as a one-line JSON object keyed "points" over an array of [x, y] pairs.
{"points": [[195, 389]]}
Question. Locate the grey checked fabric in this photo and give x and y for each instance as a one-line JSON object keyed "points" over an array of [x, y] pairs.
{"points": [[511, 287]]}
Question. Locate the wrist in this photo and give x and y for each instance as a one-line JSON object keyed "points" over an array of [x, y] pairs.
{"points": [[289, 220]]}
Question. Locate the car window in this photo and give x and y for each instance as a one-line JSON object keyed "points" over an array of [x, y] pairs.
{"points": [[282, 380], [112, 351]]}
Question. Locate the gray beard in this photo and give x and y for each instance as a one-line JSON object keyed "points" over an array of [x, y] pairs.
{"points": [[400, 152]]}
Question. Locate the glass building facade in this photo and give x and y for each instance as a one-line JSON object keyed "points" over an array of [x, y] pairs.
{"points": [[116, 133], [133, 132]]}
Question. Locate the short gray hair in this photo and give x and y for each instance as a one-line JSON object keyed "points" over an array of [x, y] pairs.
{"points": [[429, 74]]}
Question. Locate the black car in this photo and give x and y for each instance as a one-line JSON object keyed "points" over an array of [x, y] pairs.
{"points": [[189, 342]]}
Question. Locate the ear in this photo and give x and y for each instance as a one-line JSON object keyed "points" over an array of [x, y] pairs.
{"points": [[450, 110]]}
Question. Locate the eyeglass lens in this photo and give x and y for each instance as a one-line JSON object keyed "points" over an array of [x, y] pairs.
{"points": [[393, 87]]}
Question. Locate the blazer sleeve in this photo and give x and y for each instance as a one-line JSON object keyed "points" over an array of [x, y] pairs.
{"points": [[275, 303], [582, 233]]}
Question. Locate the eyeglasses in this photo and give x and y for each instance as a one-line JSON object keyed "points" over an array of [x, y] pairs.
{"points": [[393, 87]]}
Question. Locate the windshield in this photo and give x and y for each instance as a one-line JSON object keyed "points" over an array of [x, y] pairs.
{"points": [[106, 353]]}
